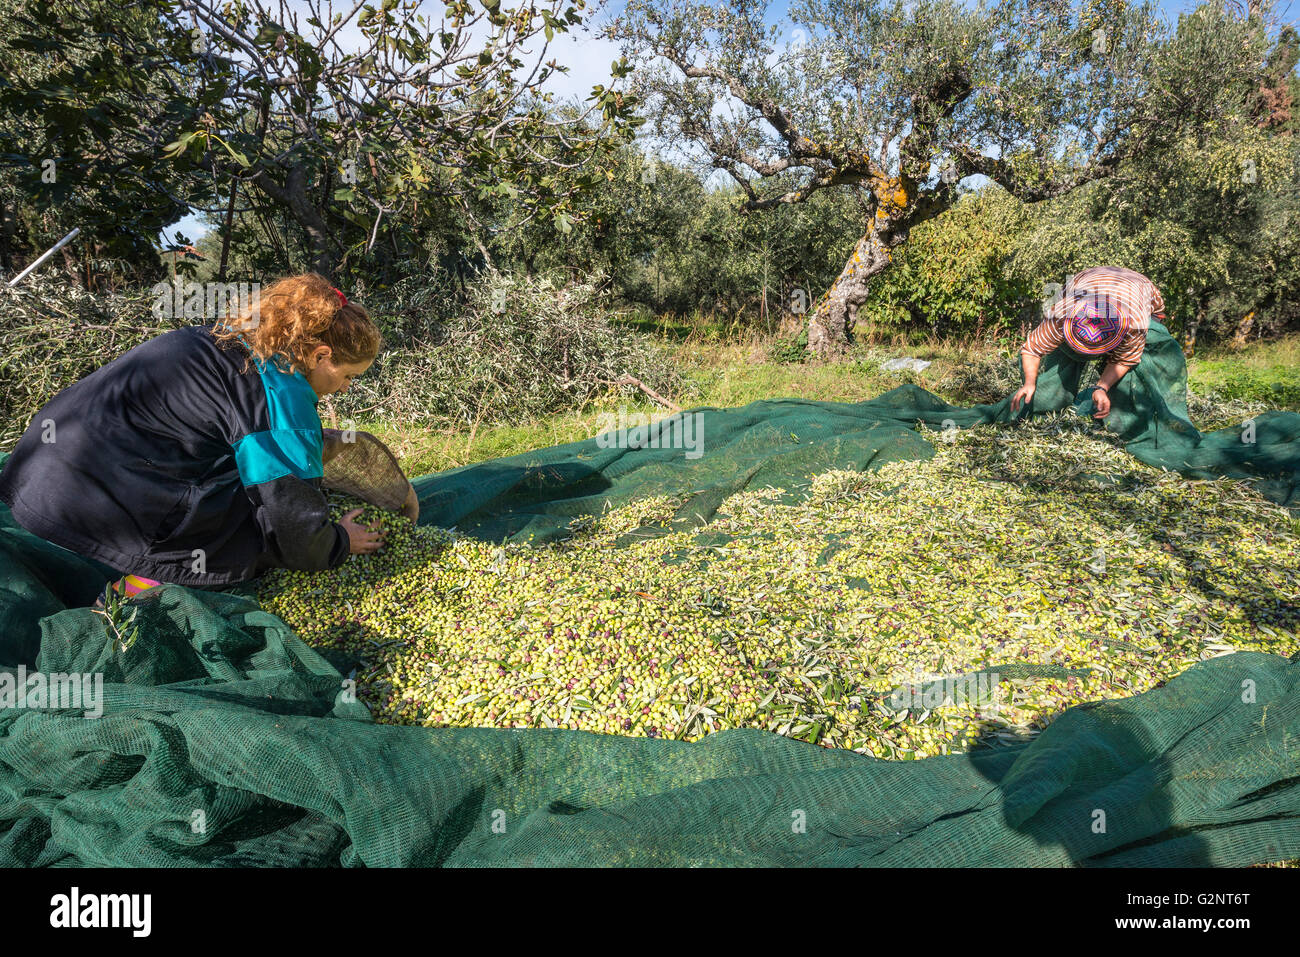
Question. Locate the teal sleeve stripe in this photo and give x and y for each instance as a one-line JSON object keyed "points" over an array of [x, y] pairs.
{"points": [[266, 456], [292, 444], [290, 401]]}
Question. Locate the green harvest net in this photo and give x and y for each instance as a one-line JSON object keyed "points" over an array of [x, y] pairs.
{"points": [[225, 740]]}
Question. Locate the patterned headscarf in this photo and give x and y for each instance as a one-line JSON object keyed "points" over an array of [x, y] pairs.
{"points": [[1096, 327]]}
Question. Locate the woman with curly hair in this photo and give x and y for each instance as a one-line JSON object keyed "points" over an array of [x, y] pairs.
{"points": [[196, 457]]}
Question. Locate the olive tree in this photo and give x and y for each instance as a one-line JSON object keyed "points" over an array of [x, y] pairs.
{"points": [[356, 123], [412, 111], [82, 124], [904, 100]]}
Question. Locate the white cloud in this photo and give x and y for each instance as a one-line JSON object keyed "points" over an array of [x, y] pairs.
{"points": [[588, 57]]}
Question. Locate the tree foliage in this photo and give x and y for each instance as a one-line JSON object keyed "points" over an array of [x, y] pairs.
{"points": [[952, 278], [82, 125], [256, 108]]}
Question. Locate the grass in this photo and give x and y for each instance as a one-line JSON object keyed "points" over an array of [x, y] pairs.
{"points": [[721, 375], [423, 450], [695, 327], [1266, 372], [730, 374]]}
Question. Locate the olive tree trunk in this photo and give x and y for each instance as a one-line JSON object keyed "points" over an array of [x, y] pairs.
{"points": [[830, 327]]}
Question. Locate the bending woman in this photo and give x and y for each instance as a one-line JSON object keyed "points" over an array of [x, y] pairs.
{"points": [[196, 457]]}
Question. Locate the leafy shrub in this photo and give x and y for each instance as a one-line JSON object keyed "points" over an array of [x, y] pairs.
{"points": [[790, 350], [519, 348], [53, 332], [948, 278]]}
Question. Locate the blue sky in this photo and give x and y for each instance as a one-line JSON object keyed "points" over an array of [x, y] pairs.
{"points": [[588, 58]]}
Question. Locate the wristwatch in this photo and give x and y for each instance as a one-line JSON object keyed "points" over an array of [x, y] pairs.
{"points": [[1101, 388]]}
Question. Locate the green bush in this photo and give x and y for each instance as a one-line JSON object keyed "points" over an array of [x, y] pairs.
{"points": [[949, 277], [789, 350], [53, 332], [518, 348]]}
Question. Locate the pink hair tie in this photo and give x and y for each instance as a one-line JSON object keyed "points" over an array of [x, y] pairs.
{"points": [[343, 300]]}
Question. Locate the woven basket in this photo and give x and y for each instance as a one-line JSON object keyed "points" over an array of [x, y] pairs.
{"points": [[360, 465]]}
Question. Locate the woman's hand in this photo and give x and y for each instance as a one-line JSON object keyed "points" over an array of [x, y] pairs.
{"points": [[362, 539], [1101, 403], [1022, 397]]}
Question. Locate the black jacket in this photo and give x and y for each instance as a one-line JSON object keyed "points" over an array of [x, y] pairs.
{"points": [[174, 463]]}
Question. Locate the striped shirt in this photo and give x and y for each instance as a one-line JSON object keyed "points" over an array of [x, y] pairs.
{"points": [[1134, 296]]}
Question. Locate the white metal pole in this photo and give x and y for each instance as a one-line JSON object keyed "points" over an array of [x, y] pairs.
{"points": [[48, 253]]}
